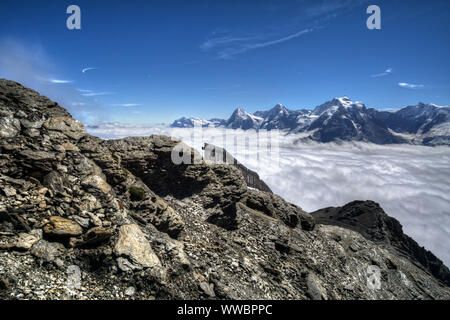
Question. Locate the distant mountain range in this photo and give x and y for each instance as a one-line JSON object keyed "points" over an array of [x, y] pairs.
{"points": [[343, 120]]}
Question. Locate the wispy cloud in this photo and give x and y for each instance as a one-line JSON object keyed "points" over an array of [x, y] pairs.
{"points": [[312, 17], [126, 105], [29, 63], [88, 69], [231, 46], [410, 85], [382, 74], [55, 81], [330, 9], [90, 93], [225, 40]]}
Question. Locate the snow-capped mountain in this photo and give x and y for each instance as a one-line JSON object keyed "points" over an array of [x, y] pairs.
{"points": [[343, 119], [279, 118], [196, 122], [240, 119]]}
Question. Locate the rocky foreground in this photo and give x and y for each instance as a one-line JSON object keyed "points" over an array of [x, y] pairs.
{"points": [[83, 218]]}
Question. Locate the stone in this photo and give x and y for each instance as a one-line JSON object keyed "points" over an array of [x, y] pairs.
{"points": [[96, 221], [130, 291], [9, 192], [125, 265], [84, 222], [315, 288], [133, 244], [97, 183], [208, 289], [47, 251], [66, 125], [25, 241], [68, 146], [9, 127], [31, 124], [59, 226]]}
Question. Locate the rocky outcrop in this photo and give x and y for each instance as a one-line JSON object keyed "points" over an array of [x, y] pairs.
{"points": [[136, 225], [370, 220], [214, 154]]}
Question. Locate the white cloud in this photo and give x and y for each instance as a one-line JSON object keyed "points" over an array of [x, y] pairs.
{"points": [[410, 182], [382, 74], [126, 105], [55, 81], [410, 85], [94, 94], [88, 69]]}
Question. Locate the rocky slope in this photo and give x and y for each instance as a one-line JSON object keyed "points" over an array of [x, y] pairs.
{"points": [[85, 218]]}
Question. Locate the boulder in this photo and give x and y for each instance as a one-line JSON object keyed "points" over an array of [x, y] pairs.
{"points": [[132, 244], [47, 251], [59, 226]]}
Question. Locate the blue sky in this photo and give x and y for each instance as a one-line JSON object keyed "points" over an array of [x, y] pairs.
{"points": [[156, 61]]}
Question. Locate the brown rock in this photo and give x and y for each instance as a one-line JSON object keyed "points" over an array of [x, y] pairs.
{"points": [[59, 226]]}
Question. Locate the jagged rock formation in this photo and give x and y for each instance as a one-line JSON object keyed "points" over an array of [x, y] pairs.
{"points": [[91, 219], [215, 154], [369, 219]]}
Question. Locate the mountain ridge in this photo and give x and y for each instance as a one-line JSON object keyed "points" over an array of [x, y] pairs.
{"points": [[341, 119]]}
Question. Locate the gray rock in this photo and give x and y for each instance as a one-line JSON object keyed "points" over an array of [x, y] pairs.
{"points": [[315, 288], [9, 192], [9, 127], [25, 241], [47, 251], [208, 289], [133, 244]]}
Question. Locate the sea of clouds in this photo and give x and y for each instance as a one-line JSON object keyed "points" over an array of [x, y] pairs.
{"points": [[411, 183]]}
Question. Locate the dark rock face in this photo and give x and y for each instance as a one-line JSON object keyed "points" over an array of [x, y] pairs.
{"points": [[369, 219], [352, 124], [138, 226]]}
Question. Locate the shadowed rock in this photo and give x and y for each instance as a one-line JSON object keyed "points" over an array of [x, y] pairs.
{"points": [[369, 219]]}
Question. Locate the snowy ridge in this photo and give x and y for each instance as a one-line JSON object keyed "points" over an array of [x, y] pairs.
{"points": [[343, 119]]}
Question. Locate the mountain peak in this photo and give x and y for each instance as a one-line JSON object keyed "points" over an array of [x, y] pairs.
{"points": [[343, 101], [277, 109]]}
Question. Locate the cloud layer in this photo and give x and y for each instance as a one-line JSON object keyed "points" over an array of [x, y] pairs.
{"points": [[411, 183]]}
